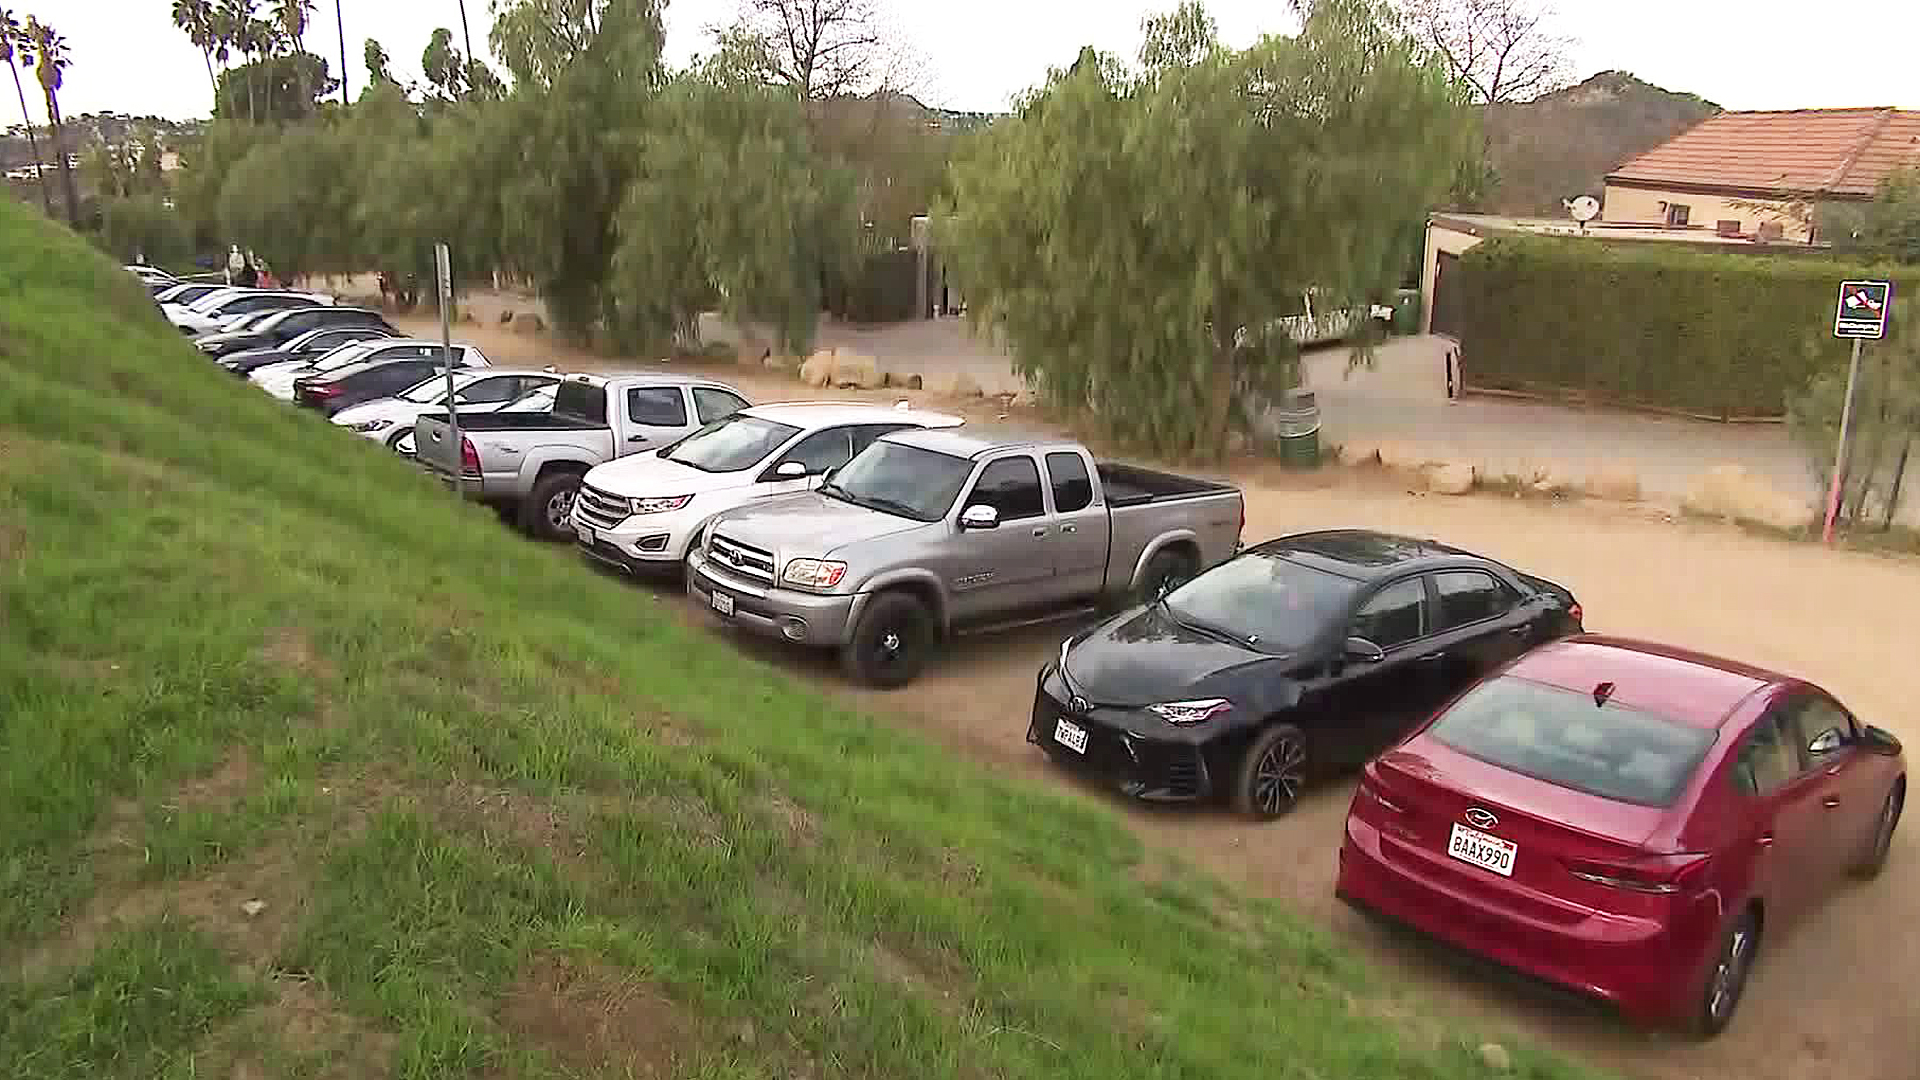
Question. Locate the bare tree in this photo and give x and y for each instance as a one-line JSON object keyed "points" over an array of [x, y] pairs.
{"points": [[821, 48], [1503, 50]]}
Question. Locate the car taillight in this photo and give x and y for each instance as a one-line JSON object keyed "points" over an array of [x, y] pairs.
{"points": [[1371, 791], [1657, 874], [324, 390], [469, 457], [1576, 614]]}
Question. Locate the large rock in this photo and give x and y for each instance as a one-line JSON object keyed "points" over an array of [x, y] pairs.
{"points": [[817, 370], [1398, 455], [1359, 453], [528, 323], [1731, 492], [1616, 482], [1450, 478], [854, 371]]}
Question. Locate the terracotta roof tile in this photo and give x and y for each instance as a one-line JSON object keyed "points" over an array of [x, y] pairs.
{"points": [[1843, 152]]}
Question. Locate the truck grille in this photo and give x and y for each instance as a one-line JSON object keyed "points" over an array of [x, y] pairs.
{"points": [[751, 563], [600, 509]]}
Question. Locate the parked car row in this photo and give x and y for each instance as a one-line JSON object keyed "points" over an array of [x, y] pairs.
{"points": [[1626, 820]]}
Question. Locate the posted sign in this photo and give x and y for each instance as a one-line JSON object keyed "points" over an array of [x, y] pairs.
{"points": [[1863, 310]]}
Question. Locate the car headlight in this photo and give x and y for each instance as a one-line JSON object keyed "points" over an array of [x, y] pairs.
{"points": [[659, 506], [1190, 712], [368, 426], [814, 573]]}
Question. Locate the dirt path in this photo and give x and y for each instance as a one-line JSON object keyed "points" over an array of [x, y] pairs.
{"points": [[1832, 998]]}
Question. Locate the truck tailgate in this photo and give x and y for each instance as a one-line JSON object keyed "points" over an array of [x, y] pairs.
{"points": [[434, 446]]}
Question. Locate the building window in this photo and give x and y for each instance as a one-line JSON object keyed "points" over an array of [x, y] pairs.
{"points": [[1678, 214]]}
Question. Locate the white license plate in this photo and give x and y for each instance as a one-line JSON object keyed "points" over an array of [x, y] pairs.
{"points": [[1071, 736], [1483, 850], [585, 534], [722, 603]]}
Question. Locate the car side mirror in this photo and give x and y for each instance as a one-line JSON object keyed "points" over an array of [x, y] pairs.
{"points": [[790, 470], [1360, 649], [1881, 741], [980, 517], [1826, 742]]}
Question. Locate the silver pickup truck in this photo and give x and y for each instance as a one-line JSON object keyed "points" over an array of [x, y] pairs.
{"points": [[530, 464], [931, 533]]}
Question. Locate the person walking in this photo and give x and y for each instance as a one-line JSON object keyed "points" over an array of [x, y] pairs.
{"points": [[236, 263]]}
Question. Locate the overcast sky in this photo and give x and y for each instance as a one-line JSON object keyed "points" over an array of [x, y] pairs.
{"points": [[1744, 54]]}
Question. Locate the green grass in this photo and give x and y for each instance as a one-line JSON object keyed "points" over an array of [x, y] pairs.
{"points": [[454, 758]]}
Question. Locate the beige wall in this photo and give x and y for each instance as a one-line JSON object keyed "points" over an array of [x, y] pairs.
{"points": [[1439, 239], [1642, 206]]}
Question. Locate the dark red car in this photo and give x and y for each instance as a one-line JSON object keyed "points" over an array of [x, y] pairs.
{"points": [[1623, 819]]}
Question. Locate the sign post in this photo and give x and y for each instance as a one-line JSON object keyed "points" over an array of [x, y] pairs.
{"points": [[1861, 315], [443, 275]]}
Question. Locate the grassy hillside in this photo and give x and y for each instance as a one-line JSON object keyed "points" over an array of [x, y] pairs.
{"points": [[1563, 144], [307, 771]]}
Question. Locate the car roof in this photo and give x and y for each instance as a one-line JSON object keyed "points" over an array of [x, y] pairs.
{"points": [[1365, 555], [656, 378], [829, 413], [1680, 684], [974, 440]]}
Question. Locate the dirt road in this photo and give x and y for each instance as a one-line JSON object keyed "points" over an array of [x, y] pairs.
{"points": [[1833, 997]]}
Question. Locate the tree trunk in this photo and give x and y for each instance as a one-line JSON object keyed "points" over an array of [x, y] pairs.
{"points": [[207, 57], [1899, 474], [1212, 439], [341, 24], [33, 144], [66, 168]]}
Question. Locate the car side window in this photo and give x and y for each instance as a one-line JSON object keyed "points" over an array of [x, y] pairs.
{"points": [[1470, 596], [1072, 487], [865, 434], [1814, 716], [397, 377], [657, 406], [1395, 615], [1767, 760], [711, 404], [826, 449], [488, 391], [1012, 487]]}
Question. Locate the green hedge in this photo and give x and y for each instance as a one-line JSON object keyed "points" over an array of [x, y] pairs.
{"points": [[1721, 334]]}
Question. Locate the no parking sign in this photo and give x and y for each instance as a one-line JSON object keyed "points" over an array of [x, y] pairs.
{"points": [[1863, 311]]}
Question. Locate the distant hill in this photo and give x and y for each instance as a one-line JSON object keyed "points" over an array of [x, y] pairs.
{"points": [[1563, 144], [88, 129]]}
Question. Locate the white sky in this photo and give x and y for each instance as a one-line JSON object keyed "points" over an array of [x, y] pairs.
{"points": [[1744, 54]]}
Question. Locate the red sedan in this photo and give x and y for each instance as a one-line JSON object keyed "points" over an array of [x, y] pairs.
{"points": [[1624, 819]]}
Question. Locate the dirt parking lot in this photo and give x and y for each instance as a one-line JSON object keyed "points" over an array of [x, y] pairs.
{"points": [[1833, 997]]}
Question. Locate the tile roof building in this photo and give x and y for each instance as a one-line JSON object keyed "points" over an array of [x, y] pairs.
{"points": [[1756, 173]]}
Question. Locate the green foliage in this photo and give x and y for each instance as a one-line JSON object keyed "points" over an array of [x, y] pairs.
{"points": [[1890, 224], [1131, 235], [144, 225], [292, 200], [1881, 432], [205, 165], [283, 87], [1724, 335]]}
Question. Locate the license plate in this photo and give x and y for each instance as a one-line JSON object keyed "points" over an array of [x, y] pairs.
{"points": [[585, 534], [722, 603], [1071, 736], [1483, 850]]}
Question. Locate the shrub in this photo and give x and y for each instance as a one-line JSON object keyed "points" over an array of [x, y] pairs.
{"points": [[1717, 334]]}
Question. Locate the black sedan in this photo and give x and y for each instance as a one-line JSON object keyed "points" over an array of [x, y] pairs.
{"points": [[332, 391], [1303, 654], [308, 346], [275, 329]]}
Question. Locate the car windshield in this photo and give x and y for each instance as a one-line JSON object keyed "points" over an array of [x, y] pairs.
{"points": [[1562, 737], [185, 294], [1264, 600], [433, 388], [533, 401], [341, 357], [902, 480], [729, 445]]}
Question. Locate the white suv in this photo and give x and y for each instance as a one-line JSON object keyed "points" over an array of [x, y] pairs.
{"points": [[643, 511]]}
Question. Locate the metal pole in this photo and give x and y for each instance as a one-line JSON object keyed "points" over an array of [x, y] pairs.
{"points": [[1840, 452], [443, 272]]}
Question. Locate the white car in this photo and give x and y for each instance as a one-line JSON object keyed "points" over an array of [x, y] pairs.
{"points": [[278, 379], [216, 311], [390, 420], [644, 510]]}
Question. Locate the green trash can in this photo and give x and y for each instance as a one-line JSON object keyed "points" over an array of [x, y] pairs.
{"points": [[1406, 311], [1298, 421]]}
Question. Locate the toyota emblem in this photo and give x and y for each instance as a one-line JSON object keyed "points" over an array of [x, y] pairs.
{"points": [[1480, 819], [1078, 705]]}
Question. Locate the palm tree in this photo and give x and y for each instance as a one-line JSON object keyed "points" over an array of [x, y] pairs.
{"points": [[290, 18], [466, 36], [240, 31], [340, 24], [12, 37], [49, 58], [196, 18]]}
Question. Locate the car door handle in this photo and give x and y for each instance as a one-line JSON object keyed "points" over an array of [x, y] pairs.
{"points": [[1830, 801], [1431, 658], [1040, 530], [636, 438], [1521, 631], [1069, 528], [1764, 841]]}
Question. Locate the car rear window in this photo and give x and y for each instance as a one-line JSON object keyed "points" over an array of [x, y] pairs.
{"points": [[1562, 737], [581, 401]]}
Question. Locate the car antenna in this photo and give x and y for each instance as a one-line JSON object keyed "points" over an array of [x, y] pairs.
{"points": [[1601, 693]]}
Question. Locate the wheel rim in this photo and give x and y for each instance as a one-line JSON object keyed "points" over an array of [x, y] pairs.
{"points": [[1730, 974], [403, 444], [1279, 774], [893, 648], [560, 509]]}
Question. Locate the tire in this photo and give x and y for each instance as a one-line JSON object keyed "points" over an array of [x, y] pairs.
{"points": [[1727, 975], [1272, 773], [1166, 571], [546, 509], [891, 643], [1881, 842]]}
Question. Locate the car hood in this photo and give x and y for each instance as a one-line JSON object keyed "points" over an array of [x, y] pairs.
{"points": [[649, 476], [810, 525], [255, 358], [390, 409], [1143, 656]]}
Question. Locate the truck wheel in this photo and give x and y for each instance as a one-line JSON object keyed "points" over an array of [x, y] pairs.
{"points": [[548, 508], [1166, 571], [890, 643], [1272, 772]]}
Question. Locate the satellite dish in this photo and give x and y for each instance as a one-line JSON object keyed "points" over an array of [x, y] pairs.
{"points": [[1584, 209]]}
